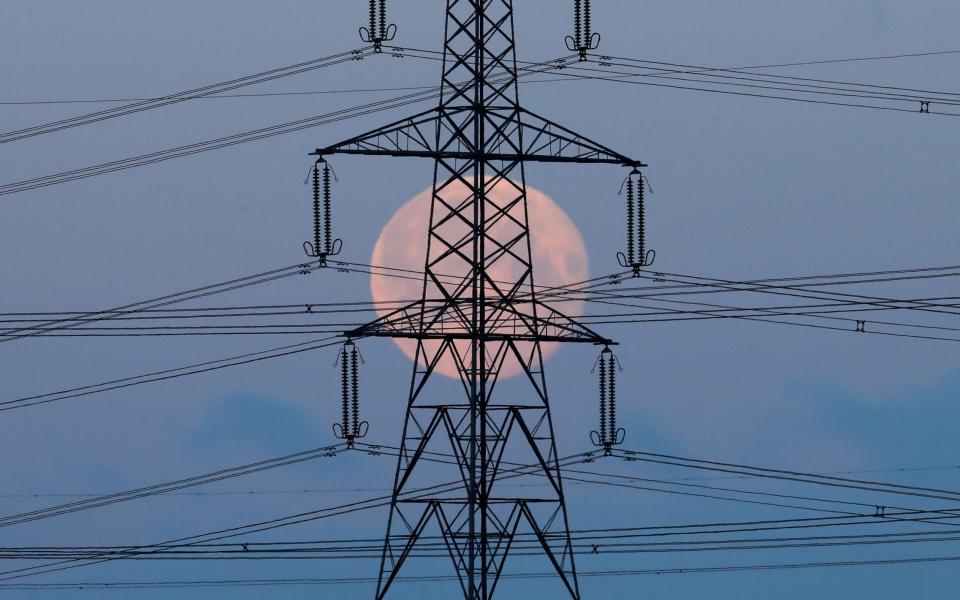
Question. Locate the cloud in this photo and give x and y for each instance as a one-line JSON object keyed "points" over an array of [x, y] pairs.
{"points": [[902, 426], [252, 423]]}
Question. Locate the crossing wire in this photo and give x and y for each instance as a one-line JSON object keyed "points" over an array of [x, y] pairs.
{"points": [[174, 373], [253, 135], [164, 488], [167, 300], [790, 475], [177, 97], [808, 541], [577, 475], [589, 294], [265, 525], [304, 491], [398, 89], [252, 583], [528, 69], [583, 546]]}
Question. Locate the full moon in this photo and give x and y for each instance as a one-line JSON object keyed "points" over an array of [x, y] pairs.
{"points": [[559, 258]]}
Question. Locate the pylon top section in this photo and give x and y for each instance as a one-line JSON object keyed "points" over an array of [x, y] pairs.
{"points": [[479, 117]]}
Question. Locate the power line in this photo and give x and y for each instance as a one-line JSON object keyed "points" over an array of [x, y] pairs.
{"points": [[180, 484], [166, 374], [607, 535], [791, 475], [744, 79], [397, 89], [584, 546], [604, 62], [166, 300], [225, 96], [756, 314], [248, 583], [655, 291], [913, 514], [290, 127], [174, 373], [244, 137], [306, 491], [932, 95], [265, 525], [801, 291], [715, 311], [606, 74], [127, 552], [854, 59], [167, 100]]}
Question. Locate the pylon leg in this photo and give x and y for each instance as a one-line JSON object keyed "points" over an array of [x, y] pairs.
{"points": [[487, 444]]}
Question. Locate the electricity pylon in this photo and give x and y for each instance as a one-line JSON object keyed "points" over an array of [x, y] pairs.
{"points": [[480, 310]]}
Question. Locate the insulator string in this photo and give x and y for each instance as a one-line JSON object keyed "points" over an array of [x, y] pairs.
{"points": [[613, 398], [642, 221], [383, 19], [316, 209], [603, 399], [631, 208], [586, 23], [373, 20], [345, 379], [356, 391], [577, 27], [328, 241]]}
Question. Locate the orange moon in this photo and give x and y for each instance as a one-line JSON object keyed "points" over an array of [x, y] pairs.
{"points": [[559, 258]]}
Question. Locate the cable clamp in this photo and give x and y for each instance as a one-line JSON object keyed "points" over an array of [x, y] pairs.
{"points": [[377, 40], [321, 257], [592, 43]]}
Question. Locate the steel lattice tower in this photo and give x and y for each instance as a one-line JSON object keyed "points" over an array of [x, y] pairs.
{"points": [[480, 310]]}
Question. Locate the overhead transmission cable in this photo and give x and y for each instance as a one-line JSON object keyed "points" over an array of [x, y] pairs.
{"points": [[614, 297], [939, 514], [315, 581], [736, 73], [192, 294], [192, 94], [397, 89], [251, 135], [623, 290], [752, 285], [23, 495], [604, 73], [791, 475], [266, 525], [290, 127], [171, 486], [174, 373], [596, 546], [127, 552]]}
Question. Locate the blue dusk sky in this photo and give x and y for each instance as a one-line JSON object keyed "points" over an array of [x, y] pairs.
{"points": [[744, 188]]}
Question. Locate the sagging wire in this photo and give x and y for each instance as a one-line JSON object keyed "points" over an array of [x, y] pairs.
{"points": [[350, 428], [583, 38], [637, 255], [378, 31], [608, 435], [324, 244]]}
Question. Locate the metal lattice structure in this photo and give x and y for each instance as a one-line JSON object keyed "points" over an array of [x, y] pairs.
{"points": [[479, 309]]}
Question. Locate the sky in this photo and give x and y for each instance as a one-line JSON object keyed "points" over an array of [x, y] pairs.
{"points": [[743, 188]]}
